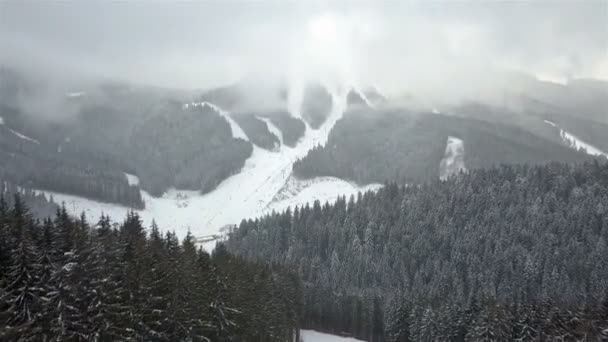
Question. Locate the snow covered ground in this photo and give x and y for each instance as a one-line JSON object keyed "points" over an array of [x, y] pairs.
{"points": [[576, 143], [250, 193], [453, 161], [314, 336]]}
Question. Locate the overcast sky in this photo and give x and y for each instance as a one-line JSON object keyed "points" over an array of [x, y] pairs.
{"points": [[391, 45]]}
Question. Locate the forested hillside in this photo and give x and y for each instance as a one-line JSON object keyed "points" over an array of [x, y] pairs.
{"points": [[84, 144], [369, 146], [256, 130], [531, 116], [69, 280], [507, 253], [291, 128], [189, 148]]}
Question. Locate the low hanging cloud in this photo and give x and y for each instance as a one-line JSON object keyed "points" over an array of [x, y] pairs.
{"points": [[425, 48]]}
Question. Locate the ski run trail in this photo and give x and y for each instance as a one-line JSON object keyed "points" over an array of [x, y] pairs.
{"points": [[264, 184], [576, 143], [453, 160]]}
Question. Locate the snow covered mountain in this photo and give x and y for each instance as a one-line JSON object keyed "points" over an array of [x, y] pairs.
{"points": [[205, 162], [265, 183]]}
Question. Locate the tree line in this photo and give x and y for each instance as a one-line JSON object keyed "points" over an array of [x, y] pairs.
{"points": [[505, 253], [66, 279]]}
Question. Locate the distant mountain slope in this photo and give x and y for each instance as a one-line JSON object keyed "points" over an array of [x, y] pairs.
{"points": [[291, 128], [373, 146], [110, 130], [257, 130]]}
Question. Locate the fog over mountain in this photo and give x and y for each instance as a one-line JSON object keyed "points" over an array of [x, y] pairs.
{"points": [[427, 49], [304, 171]]}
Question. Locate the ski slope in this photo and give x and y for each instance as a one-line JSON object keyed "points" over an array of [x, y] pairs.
{"points": [[453, 160], [247, 194], [315, 336], [576, 143]]}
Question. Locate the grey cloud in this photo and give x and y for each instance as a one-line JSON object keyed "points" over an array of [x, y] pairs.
{"points": [[394, 46]]}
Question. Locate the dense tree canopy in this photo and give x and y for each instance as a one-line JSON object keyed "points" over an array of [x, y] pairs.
{"points": [[65, 279], [506, 253], [371, 146]]}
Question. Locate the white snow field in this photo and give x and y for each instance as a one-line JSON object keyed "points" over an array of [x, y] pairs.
{"points": [[315, 336], [574, 142], [248, 194], [453, 160]]}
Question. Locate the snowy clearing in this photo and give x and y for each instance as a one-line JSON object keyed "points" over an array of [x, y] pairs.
{"points": [[453, 161], [315, 336], [132, 179], [250, 193], [574, 142]]}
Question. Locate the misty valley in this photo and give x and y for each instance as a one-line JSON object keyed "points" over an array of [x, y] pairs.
{"points": [[316, 190]]}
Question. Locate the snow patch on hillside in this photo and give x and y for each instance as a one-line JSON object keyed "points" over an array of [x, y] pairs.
{"points": [[75, 94], [1, 120], [132, 179], [24, 137], [453, 160], [298, 192], [576, 143], [315, 336]]}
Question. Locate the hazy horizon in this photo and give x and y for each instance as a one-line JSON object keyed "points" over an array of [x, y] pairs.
{"points": [[396, 47]]}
